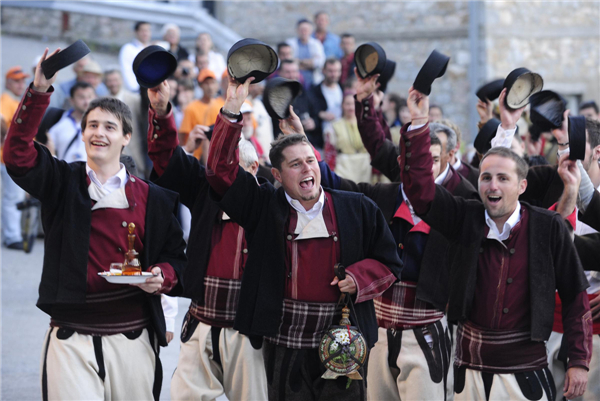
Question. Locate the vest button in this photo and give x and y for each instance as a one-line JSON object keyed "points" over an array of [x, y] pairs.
{"points": [[289, 237], [245, 251], [509, 280], [119, 250], [156, 127], [408, 155], [28, 94], [124, 224], [19, 121], [407, 143], [155, 136], [132, 179], [400, 246], [335, 239], [407, 167], [512, 251], [24, 107], [366, 108], [505, 310]]}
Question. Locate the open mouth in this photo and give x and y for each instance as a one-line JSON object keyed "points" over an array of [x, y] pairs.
{"points": [[99, 144], [494, 199], [307, 183]]}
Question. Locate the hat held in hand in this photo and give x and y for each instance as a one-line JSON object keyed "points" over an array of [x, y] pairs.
{"points": [[153, 65], [547, 110], [520, 84], [490, 91], [483, 140], [369, 59], [251, 58], [64, 58], [577, 139], [434, 67], [387, 74], [279, 94]]}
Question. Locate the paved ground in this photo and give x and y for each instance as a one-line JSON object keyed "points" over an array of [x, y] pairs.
{"points": [[24, 326]]}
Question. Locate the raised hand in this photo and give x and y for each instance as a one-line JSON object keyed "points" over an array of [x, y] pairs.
{"points": [[418, 106], [569, 172], [562, 134], [236, 94], [509, 117], [484, 109], [40, 82], [195, 138], [159, 98], [365, 86], [292, 124]]}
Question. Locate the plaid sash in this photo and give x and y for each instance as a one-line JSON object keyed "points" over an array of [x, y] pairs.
{"points": [[221, 298], [304, 324], [398, 308], [498, 351]]}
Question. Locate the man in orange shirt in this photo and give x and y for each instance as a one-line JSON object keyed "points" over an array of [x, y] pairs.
{"points": [[11, 193], [195, 114]]}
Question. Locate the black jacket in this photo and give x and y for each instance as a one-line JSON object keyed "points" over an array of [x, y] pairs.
{"points": [[66, 217], [553, 261], [263, 212]]}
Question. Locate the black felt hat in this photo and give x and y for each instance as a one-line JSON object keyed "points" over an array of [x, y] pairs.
{"points": [[483, 140], [279, 94], [577, 138], [521, 84], [547, 110], [434, 67], [490, 91], [251, 58], [153, 65], [65, 58], [387, 74], [369, 59]]}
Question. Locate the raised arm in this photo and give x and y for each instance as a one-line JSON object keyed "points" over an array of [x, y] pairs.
{"points": [[173, 167]]}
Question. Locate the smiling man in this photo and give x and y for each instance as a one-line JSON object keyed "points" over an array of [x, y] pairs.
{"points": [[103, 338], [511, 258], [296, 235]]}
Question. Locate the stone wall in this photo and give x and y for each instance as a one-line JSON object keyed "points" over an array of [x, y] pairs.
{"points": [[559, 40]]}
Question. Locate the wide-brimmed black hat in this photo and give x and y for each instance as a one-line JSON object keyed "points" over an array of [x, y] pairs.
{"points": [[65, 58], [279, 94], [547, 110], [577, 138], [369, 59], [521, 84], [251, 58], [483, 140], [490, 91], [153, 65], [387, 74], [434, 67]]}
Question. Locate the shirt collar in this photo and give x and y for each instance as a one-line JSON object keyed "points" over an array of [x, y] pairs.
{"points": [[300, 209], [512, 221], [457, 165], [115, 182], [440, 178]]}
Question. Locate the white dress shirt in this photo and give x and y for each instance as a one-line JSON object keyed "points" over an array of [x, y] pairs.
{"points": [[512, 221]]}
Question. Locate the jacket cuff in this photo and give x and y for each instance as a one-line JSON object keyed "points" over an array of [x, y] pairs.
{"points": [[169, 276], [406, 133], [580, 363]]}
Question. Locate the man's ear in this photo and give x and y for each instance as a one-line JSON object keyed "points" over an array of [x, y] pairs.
{"points": [[596, 153], [451, 154], [127, 139], [254, 168], [522, 186], [276, 174]]}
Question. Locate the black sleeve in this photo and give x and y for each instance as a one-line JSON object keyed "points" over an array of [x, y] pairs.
{"points": [[591, 216], [588, 249]]}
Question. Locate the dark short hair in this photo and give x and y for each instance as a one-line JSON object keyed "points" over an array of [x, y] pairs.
{"points": [[522, 166], [80, 85], [115, 107], [281, 143], [593, 132], [588, 104], [284, 62], [281, 45], [331, 60], [303, 21], [398, 101], [139, 24], [319, 13], [346, 35], [435, 106]]}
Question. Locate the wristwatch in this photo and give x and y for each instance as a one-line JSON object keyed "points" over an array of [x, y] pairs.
{"points": [[232, 115]]}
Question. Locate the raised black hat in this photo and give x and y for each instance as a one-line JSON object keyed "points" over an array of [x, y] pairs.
{"points": [[279, 94], [65, 58], [483, 140], [547, 110], [577, 138], [369, 59], [490, 91], [521, 84], [387, 74], [434, 67], [251, 58], [153, 65]]}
